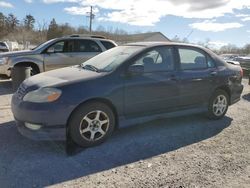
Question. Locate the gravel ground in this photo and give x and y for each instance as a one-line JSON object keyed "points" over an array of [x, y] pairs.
{"points": [[178, 152]]}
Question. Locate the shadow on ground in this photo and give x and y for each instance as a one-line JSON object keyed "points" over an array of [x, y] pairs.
{"points": [[26, 163], [246, 97], [5, 86]]}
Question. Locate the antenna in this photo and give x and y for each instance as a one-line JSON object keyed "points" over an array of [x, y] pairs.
{"points": [[189, 34]]}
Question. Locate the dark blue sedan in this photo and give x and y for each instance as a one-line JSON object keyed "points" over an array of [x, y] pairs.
{"points": [[127, 84]]}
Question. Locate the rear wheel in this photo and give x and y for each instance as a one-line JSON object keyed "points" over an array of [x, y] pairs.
{"points": [[218, 105], [91, 124]]}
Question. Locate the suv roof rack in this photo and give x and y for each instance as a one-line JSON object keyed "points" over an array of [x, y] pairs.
{"points": [[90, 36]]}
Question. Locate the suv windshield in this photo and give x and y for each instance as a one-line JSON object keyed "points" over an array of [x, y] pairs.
{"points": [[111, 59]]}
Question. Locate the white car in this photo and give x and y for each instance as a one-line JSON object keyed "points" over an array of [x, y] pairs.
{"points": [[4, 47]]}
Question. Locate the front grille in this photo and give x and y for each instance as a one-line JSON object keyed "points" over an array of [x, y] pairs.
{"points": [[21, 91]]}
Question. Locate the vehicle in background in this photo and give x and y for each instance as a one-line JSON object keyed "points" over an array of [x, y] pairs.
{"points": [[13, 46], [244, 62], [129, 83], [4, 47], [230, 58], [56, 53], [233, 62]]}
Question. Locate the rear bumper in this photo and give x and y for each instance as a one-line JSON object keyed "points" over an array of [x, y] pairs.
{"points": [[44, 133], [236, 93]]}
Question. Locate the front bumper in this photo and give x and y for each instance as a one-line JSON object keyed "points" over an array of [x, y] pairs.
{"points": [[51, 116], [44, 133]]}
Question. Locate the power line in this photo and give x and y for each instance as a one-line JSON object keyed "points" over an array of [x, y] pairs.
{"points": [[91, 17]]}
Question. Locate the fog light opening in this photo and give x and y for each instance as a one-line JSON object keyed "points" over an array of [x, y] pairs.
{"points": [[32, 126]]}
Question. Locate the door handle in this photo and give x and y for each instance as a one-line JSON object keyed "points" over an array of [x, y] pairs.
{"points": [[173, 78], [213, 73], [197, 79]]}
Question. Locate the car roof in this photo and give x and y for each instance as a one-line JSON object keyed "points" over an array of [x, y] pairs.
{"points": [[154, 44], [92, 37]]}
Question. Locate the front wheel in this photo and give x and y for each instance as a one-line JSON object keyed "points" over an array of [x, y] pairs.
{"points": [[91, 124], [218, 105]]}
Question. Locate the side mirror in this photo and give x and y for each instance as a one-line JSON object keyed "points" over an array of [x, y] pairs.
{"points": [[136, 69], [51, 50]]}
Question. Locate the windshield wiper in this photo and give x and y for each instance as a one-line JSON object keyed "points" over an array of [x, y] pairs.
{"points": [[90, 67]]}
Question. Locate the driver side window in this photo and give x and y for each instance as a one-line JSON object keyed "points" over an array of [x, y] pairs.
{"points": [[157, 60], [56, 48]]}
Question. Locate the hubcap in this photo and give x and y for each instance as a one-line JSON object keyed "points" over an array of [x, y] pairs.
{"points": [[94, 125], [220, 105]]}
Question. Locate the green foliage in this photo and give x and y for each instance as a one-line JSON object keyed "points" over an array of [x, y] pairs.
{"points": [[53, 30], [11, 22], [29, 22]]}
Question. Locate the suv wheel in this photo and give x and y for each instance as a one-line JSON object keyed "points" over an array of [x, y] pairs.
{"points": [[91, 124], [218, 105], [33, 71]]}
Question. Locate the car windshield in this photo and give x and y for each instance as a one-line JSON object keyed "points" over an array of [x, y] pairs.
{"points": [[111, 59], [40, 46], [2, 44]]}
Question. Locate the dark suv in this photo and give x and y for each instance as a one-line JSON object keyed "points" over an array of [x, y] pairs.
{"points": [[126, 84]]}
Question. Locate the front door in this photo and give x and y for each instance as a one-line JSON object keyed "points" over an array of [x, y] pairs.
{"points": [[61, 54], [155, 90]]}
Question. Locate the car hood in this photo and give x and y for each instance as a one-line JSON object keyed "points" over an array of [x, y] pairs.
{"points": [[17, 53], [61, 76]]}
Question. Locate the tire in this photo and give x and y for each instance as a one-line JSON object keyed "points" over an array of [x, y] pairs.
{"points": [[91, 124], [33, 71], [218, 105]]}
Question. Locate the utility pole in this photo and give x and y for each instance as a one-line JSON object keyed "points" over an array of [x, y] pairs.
{"points": [[91, 17]]}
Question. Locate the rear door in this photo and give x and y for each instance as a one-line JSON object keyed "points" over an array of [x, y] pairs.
{"points": [[155, 90], [197, 73], [86, 49]]}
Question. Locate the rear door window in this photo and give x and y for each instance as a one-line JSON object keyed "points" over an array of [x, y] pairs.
{"points": [[191, 59], [107, 44], [87, 46]]}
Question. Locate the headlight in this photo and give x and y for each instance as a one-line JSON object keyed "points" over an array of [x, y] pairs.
{"points": [[3, 60], [43, 95]]}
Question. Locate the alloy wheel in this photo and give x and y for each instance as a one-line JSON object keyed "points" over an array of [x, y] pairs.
{"points": [[219, 105], [94, 125]]}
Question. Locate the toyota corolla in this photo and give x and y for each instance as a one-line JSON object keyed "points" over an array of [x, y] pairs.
{"points": [[123, 85]]}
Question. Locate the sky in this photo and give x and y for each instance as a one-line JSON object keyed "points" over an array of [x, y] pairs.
{"points": [[220, 22]]}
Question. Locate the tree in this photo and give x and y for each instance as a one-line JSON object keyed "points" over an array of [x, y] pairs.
{"points": [[53, 30], [41, 32], [66, 29], [246, 49], [2, 25], [2, 20], [29, 22], [12, 22], [230, 48]]}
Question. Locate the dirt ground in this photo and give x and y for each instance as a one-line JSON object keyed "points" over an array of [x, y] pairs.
{"points": [[189, 151]]}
